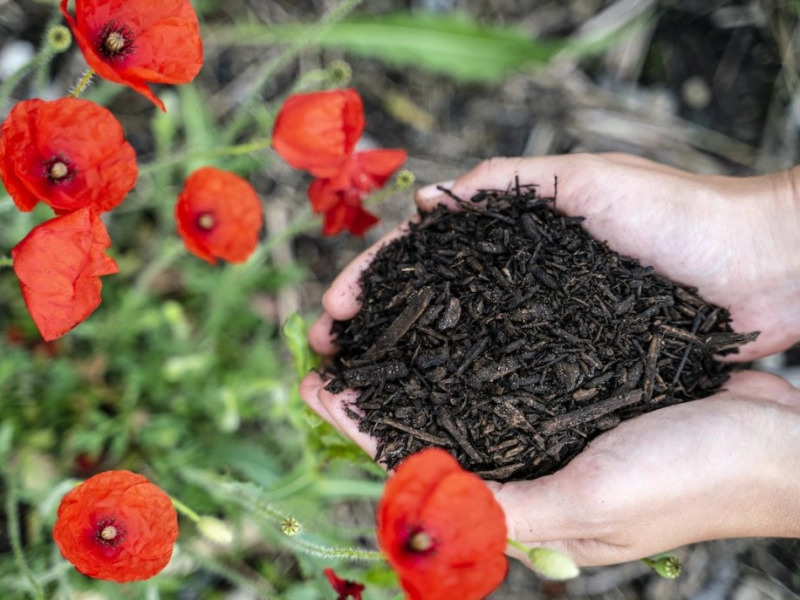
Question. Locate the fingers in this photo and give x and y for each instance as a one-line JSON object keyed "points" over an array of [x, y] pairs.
{"points": [[341, 300], [336, 405], [319, 336], [332, 408], [310, 386], [757, 384]]}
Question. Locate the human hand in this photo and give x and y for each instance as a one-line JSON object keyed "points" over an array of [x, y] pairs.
{"points": [[692, 229], [721, 467]]}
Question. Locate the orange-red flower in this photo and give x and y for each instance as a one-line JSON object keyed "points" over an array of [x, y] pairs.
{"points": [[317, 132], [68, 153], [59, 264], [442, 529], [340, 197], [117, 526], [134, 42], [344, 587], [218, 215]]}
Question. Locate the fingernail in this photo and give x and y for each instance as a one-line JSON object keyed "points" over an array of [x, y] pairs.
{"points": [[434, 190]]}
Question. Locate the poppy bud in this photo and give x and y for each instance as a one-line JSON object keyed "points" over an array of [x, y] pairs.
{"points": [[215, 530]]}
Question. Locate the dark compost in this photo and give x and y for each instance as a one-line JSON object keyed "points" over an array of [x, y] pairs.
{"points": [[507, 335]]}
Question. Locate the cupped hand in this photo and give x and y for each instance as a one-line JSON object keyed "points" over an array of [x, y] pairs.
{"points": [[716, 468], [666, 478]]}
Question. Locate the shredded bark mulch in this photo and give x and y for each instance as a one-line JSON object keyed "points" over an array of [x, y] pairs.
{"points": [[506, 334]]}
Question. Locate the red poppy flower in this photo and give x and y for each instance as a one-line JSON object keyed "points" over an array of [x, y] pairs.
{"points": [[59, 264], [442, 529], [68, 153], [317, 132], [340, 197], [218, 215], [117, 526], [134, 42], [344, 587]]}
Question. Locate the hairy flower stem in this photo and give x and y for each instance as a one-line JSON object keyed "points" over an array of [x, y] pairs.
{"points": [[12, 520], [334, 552], [44, 56], [6, 261], [79, 88]]}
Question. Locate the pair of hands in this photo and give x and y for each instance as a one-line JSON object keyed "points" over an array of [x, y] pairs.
{"points": [[715, 468]]}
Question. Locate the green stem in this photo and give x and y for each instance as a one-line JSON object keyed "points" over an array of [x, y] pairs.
{"points": [[304, 221], [184, 510], [83, 83], [12, 518], [6, 261], [236, 150], [45, 55], [518, 546], [334, 552]]}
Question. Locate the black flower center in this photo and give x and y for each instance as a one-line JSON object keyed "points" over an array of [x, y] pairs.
{"points": [[59, 169], [109, 532], [116, 41], [205, 221]]}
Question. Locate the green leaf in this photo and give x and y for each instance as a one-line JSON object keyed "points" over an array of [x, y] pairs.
{"points": [[295, 332], [451, 44]]}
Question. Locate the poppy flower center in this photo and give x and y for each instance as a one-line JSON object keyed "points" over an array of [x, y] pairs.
{"points": [[116, 41], [109, 532], [59, 169], [419, 543], [206, 221]]}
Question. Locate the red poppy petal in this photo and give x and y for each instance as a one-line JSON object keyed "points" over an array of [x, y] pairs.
{"points": [[318, 131], [165, 45], [180, 55], [430, 493], [413, 481], [373, 168], [17, 150], [358, 220], [58, 265], [333, 220], [344, 587], [233, 210], [143, 519], [87, 138], [323, 197]]}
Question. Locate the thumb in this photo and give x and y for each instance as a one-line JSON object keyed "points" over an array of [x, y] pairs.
{"points": [[546, 512], [541, 510]]}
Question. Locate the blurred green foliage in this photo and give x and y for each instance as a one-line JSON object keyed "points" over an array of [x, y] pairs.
{"points": [[182, 376]]}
